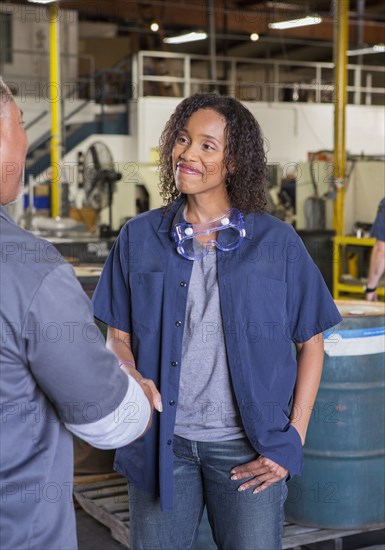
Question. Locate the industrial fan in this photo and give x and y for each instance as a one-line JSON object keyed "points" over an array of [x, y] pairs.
{"points": [[100, 178]]}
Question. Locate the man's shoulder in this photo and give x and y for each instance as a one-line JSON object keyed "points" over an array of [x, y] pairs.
{"points": [[22, 251]]}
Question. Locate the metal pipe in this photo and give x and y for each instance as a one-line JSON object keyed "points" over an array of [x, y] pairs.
{"points": [[212, 41], [360, 28], [225, 41], [341, 43], [55, 99]]}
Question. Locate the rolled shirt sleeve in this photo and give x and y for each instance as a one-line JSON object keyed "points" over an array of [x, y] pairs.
{"points": [[310, 306], [111, 299], [70, 363], [122, 426]]}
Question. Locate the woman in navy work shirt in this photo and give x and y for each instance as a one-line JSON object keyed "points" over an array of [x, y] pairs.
{"points": [[206, 297]]}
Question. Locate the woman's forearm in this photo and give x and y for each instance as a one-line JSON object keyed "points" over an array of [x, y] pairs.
{"points": [[119, 343], [309, 369]]}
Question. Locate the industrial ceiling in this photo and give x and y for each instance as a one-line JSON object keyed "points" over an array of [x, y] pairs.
{"points": [[235, 20]]}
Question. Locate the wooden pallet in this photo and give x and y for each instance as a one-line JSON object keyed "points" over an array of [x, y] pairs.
{"points": [[107, 502]]}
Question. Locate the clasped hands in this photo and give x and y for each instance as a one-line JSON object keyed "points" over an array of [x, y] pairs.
{"points": [[147, 386]]}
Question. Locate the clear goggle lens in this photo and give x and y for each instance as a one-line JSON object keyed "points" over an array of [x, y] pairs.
{"points": [[230, 233]]}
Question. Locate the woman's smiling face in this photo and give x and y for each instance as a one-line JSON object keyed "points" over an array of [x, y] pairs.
{"points": [[198, 155]]}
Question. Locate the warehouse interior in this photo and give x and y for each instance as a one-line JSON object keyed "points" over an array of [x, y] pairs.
{"points": [[97, 81]]}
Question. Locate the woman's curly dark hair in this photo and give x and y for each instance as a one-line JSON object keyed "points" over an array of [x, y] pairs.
{"points": [[243, 150]]}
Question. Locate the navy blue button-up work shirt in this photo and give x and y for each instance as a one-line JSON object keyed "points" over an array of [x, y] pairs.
{"points": [[271, 295]]}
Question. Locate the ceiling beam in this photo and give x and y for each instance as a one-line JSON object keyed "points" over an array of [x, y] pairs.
{"points": [[174, 16]]}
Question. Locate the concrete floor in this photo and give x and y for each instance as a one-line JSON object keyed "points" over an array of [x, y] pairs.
{"points": [[94, 536]]}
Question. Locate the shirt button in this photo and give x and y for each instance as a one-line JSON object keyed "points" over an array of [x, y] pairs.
{"points": [[183, 284], [169, 442], [174, 363], [178, 323], [171, 402]]}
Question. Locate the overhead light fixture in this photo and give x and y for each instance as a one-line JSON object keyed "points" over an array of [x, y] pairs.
{"points": [[154, 27], [187, 37], [377, 48], [42, 1], [254, 37], [292, 23]]}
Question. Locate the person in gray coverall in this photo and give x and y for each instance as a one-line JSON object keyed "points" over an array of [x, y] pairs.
{"points": [[56, 376]]}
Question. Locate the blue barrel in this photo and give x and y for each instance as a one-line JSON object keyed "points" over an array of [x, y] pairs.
{"points": [[343, 481]]}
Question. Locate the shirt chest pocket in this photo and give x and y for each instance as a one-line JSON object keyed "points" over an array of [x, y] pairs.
{"points": [[146, 301], [265, 300]]}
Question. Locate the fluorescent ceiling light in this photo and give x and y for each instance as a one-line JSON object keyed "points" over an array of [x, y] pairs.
{"points": [[41, 1], [303, 22], [188, 37], [377, 48]]}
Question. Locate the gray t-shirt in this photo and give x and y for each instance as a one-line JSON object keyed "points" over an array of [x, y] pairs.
{"points": [[207, 409]]}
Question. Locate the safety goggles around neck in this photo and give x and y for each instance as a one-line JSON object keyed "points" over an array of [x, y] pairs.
{"points": [[229, 229]]}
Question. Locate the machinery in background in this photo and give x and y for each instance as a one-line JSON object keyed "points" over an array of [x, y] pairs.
{"points": [[297, 193], [315, 205], [343, 260], [313, 202], [364, 189], [100, 199], [98, 182], [303, 194], [280, 199], [137, 192]]}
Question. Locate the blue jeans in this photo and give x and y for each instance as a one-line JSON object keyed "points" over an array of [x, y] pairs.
{"points": [[239, 520]]}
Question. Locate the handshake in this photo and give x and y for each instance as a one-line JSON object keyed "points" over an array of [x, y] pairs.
{"points": [[147, 386]]}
